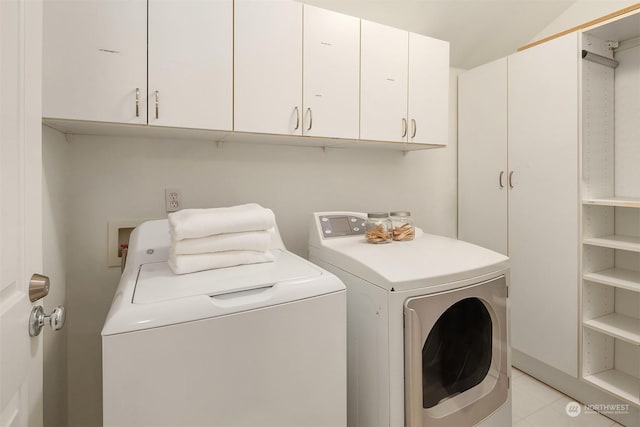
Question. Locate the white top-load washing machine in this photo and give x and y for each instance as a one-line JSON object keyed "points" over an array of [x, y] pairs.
{"points": [[427, 326], [253, 345]]}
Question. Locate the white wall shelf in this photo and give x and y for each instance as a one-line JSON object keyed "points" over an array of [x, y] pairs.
{"points": [[83, 127], [610, 297], [618, 326], [618, 383], [617, 277], [626, 243], [625, 202]]}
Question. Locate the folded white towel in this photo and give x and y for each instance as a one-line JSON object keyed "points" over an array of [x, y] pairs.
{"points": [[247, 241], [194, 223], [183, 264]]}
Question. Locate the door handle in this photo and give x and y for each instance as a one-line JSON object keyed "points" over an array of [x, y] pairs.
{"points": [[500, 179], [310, 118], [297, 118], [38, 319], [415, 128], [511, 179], [157, 105], [404, 127]]}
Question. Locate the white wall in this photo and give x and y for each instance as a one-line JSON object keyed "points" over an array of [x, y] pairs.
{"points": [[54, 154], [115, 178], [580, 12]]}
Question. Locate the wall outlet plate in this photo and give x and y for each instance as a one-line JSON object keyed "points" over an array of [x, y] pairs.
{"points": [[118, 234], [173, 199]]}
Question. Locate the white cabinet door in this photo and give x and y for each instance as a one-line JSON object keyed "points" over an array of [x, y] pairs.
{"points": [[191, 63], [331, 74], [20, 210], [543, 204], [95, 60], [268, 66], [428, 90], [482, 156], [384, 69]]}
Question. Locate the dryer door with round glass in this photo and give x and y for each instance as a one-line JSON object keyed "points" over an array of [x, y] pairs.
{"points": [[456, 355]]}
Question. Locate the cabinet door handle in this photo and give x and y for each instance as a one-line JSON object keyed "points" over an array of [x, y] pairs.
{"points": [[310, 118], [404, 127], [157, 105], [500, 179], [511, 179], [297, 118], [415, 128], [137, 102]]}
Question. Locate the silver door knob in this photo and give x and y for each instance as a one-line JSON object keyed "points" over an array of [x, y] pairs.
{"points": [[38, 287], [38, 319]]}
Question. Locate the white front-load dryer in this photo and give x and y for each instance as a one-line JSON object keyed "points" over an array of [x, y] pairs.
{"points": [[253, 345], [427, 326]]}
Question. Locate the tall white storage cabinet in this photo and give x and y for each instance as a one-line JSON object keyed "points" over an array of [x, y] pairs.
{"points": [[95, 60], [482, 161], [611, 209], [543, 203], [191, 63], [537, 223]]}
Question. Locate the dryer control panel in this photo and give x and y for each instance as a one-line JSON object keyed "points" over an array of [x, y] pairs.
{"points": [[341, 225]]}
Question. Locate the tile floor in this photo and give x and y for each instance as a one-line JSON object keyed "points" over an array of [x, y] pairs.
{"points": [[536, 404]]}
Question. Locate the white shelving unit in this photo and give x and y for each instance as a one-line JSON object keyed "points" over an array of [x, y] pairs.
{"points": [[611, 210]]}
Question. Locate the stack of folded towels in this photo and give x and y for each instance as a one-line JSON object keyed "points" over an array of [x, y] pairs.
{"points": [[204, 239]]}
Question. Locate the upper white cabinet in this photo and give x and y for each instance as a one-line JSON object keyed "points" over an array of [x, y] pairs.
{"points": [[383, 79], [279, 90], [191, 63], [232, 67], [95, 60], [331, 74], [268, 67], [428, 112], [404, 86]]}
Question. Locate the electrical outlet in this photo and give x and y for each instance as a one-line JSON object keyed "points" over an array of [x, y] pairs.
{"points": [[173, 199]]}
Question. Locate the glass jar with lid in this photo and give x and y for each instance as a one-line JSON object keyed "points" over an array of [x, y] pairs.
{"points": [[402, 226], [378, 227]]}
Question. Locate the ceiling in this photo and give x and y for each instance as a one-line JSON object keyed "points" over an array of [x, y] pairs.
{"points": [[479, 31]]}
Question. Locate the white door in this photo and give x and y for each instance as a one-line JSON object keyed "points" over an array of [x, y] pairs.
{"points": [[191, 64], [383, 96], [544, 202], [428, 90], [268, 66], [95, 60], [482, 156], [331, 91], [20, 209]]}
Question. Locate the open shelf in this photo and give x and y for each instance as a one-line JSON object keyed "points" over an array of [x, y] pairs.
{"points": [[625, 202], [618, 383], [618, 326], [626, 243], [617, 277]]}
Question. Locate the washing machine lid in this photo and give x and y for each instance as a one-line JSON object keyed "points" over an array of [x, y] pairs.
{"points": [[152, 296], [425, 261], [156, 282]]}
